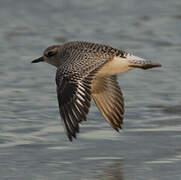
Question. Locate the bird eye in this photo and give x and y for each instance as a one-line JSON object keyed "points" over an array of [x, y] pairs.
{"points": [[50, 53]]}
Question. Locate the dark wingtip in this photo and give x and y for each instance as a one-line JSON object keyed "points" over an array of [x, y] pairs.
{"points": [[72, 136]]}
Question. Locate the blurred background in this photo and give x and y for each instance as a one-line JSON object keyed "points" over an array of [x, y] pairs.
{"points": [[33, 145]]}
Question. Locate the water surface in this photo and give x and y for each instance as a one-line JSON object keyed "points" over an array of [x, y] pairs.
{"points": [[33, 144]]}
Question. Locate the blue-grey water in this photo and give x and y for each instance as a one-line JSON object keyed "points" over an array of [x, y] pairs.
{"points": [[33, 145]]}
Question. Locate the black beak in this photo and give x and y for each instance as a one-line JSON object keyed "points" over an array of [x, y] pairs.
{"points": [[40, 59]]}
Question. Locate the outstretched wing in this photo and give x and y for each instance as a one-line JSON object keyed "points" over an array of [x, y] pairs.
{"points": [[109, 99], [74, 98], [80, 62]]}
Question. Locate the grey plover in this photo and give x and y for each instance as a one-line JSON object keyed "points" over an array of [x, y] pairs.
{"points": [[86, 70]]}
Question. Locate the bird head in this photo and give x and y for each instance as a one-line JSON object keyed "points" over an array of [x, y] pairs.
{"points": [[51, 55]]}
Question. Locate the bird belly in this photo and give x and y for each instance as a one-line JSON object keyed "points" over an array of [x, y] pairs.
{"points": [[117, 65]]}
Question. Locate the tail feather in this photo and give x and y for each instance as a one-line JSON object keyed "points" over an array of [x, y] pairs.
{"points": [[145, 65], [137, 62]]}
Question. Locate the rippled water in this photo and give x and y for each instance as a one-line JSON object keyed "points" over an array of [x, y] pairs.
{"points": [[33, 144]]}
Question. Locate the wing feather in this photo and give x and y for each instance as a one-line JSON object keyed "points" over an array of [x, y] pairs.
{"points": [[109, 99], [74, 98]]}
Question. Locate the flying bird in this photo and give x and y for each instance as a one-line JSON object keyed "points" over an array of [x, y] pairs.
{"points": [[88, 70]]}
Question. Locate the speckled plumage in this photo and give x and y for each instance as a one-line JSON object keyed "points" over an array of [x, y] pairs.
{"points": [[86, 70], [86, 55]]}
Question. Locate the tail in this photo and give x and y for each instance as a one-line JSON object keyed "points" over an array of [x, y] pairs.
{"points": [[145, 65], [138, 62]]}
